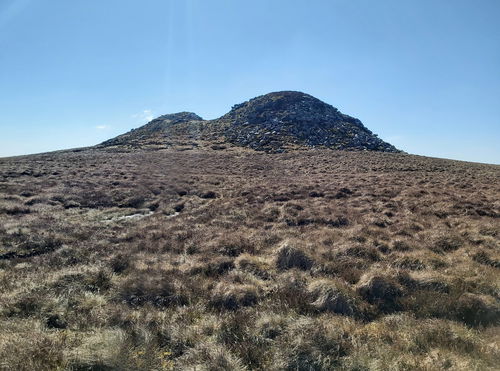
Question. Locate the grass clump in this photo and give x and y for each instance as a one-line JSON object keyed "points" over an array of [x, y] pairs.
{"points": [[288, 257], [154, 289], [313, 344], [233, 296], [382, 291], [332, 296]]}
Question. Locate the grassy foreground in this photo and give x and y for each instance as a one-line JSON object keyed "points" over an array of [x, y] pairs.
{"points": [[231, 259]]}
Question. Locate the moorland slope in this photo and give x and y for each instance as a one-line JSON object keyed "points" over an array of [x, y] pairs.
{"points": [[237, 259], [180, 246]]}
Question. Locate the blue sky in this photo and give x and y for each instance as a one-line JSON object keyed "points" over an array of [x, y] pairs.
{"points": [[423, 74]]}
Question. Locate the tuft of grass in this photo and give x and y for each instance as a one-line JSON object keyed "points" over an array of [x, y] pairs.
{"points": [[155, 289], [445, 244], [233, 296], [288, 257], [382, 291], [332, 296]]}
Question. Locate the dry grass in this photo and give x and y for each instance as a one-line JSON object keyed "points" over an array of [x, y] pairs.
{"points": [[239, 260]]}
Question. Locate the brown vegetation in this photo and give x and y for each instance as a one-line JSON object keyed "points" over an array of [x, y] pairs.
{"points": [[230, 259]]}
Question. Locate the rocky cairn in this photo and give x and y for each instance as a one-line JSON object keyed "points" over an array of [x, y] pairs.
{"points": [[274, 122]]}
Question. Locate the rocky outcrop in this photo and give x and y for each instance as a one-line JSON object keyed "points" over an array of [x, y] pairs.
{"points": [[156, 131], [274, 122]]}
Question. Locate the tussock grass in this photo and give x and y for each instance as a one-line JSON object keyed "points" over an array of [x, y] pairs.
{"points": [[288, 257], [232, 259]]}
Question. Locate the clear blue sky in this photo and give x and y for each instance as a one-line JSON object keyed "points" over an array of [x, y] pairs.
{"points": [[423, 74]]}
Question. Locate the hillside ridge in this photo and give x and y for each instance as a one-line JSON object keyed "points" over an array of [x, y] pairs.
{"points": [[273, 122]]}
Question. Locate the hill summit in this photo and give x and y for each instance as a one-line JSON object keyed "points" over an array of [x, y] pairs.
{"points": [[274, 122]]}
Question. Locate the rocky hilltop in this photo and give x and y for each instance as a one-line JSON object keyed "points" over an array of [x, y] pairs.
{"points": [[161, 131], [274, 122]]}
